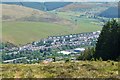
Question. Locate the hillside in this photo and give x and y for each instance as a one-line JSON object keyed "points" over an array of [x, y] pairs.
{"points": [[12, 12], [20, 13], [81, 69], [76, 6]]}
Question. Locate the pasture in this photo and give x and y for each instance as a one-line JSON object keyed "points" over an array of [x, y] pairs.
{"points": [[25, 32]]}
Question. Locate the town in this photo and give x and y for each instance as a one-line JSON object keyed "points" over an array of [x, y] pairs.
{"points": [[65, 45]]}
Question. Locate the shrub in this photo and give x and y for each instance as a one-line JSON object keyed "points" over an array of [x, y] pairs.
{"points": [[92, 59]]}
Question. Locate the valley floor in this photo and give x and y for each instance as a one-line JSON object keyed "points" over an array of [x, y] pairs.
{"points": [[78, 69]]}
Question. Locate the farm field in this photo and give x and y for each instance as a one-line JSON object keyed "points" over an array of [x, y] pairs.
{"points": [[80, 69], [25, 32]]}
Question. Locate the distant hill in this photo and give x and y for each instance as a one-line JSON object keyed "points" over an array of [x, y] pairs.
{"points": [[80, 6], [111, 12], [76, 7], [47, 6]]}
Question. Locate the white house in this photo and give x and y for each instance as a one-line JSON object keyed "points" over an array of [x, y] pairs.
{"points": [[79, 49]]}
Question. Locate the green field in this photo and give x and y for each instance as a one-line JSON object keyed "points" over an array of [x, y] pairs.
{"points": [[67, 15], [81, 69], [25, 32]]}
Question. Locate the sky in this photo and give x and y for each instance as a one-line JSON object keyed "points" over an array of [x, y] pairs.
{"points": [[60, 0]]}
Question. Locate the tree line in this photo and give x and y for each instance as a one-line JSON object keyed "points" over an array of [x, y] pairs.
{"points": [[108, 44]]}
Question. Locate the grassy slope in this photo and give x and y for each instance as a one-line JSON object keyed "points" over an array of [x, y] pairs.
{"points": [[80, 69], [15, 11], [24, 32]]}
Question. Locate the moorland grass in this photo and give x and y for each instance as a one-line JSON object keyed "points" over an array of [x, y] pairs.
{"points": [[80, 69]]}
